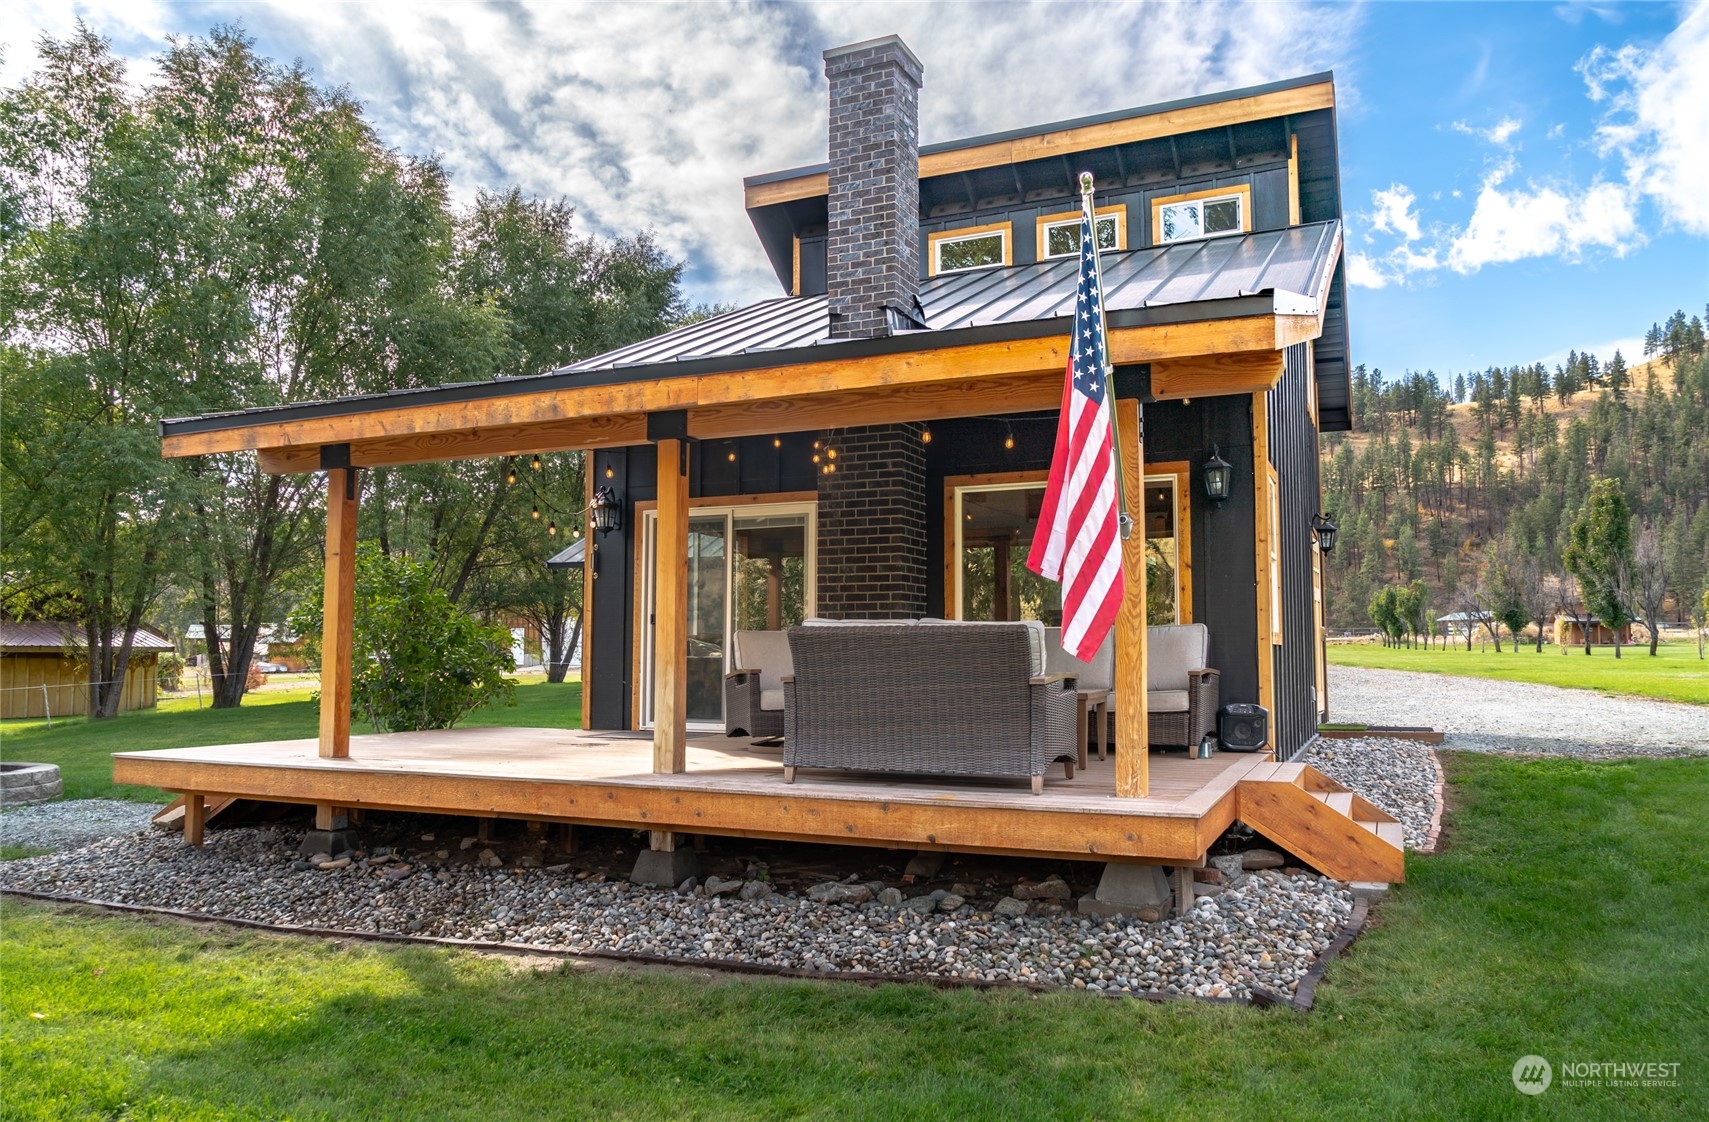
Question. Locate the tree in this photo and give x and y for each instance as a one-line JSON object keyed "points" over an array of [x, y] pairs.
{"points": [[1385, 614], [1617, 376], [1599, 554], [1700, 621], [417, 660], [95, 309], [1650, 581]]}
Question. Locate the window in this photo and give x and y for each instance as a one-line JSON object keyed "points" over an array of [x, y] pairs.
{"points": [[990, 527], [1203, 214], [957, 251], [1059, 234]]}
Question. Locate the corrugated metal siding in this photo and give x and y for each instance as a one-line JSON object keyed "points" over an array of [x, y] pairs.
{"points": [[1294, 453]]}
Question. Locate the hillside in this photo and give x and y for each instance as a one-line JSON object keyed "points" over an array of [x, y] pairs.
{"points": [[1474, 498]]}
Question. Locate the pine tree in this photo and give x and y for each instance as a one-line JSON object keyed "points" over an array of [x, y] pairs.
{"points": [[1616, 376], [1459, 388]]}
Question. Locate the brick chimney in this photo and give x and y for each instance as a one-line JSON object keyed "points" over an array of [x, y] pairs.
{"points": [[872, 265]]}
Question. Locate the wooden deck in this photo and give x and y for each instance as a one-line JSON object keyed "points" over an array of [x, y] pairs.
{"points": [[729, 788]]}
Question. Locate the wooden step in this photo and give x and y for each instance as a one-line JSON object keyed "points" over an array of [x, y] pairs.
{"points": [[1290, 773], [1391, 832], [1339, 801], [1305, 823]]}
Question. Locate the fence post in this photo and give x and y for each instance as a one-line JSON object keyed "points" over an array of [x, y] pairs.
{"points": [[198, 689], [46, 711]]}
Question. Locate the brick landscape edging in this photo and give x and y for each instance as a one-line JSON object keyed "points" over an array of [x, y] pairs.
{"points": [[1433, 842]]}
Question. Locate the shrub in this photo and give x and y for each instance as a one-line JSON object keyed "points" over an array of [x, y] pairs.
{"points": [[170, 672], [419, 661]]}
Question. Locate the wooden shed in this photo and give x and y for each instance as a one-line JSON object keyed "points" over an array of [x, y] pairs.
{"points": [[41, 676]]}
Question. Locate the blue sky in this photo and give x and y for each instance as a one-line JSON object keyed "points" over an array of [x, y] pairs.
{"points": [[1518, 178]]}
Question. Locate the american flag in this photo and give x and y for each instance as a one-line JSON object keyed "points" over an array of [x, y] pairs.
{"points": [[1078, 542]]}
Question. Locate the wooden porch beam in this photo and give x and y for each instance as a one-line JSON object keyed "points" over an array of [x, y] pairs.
{"points": [[338, 612], [1133, 737], [784, 386], [670, 613], [1213, 375]]}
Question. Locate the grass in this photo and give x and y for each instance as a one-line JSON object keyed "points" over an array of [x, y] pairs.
{"points": [[1564, 920], [1675, 674], [83, 748]]}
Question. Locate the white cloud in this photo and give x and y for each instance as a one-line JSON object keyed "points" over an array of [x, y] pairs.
{"points": [[651, 114], [1514, 224], [1658, 117], [1363, 272], [1498, 134], [1393, 212]]}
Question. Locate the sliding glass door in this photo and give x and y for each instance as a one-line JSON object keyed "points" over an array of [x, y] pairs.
{"points": [[750, 568]]}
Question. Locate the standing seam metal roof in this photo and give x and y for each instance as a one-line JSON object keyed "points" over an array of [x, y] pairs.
{"points": [[1293, 264]]}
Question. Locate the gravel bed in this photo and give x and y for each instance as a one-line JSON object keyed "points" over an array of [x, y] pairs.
{"points": [[1485, 715], [1399, 776], [1264, 928], [72, 823]]}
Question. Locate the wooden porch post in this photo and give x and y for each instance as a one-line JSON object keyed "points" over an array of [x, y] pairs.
{"points": [[670, 615], [339, 612], [1133, 736]]}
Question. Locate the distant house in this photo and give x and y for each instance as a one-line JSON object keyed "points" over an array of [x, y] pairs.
{"points": [[1569, 631], [1458, 624], [273, 643], [38, 678]]}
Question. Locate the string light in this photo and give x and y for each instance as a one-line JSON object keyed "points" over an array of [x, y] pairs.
{"points": [[609, 472], [1009, 442], [830, 453], [535, 464], [535, 513], [926, 435], [777, 442], [552, 528], [816, 445], [732, 457], [510, 476]]}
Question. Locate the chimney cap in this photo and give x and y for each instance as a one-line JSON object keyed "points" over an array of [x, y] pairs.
{"points": [[894, 41]]}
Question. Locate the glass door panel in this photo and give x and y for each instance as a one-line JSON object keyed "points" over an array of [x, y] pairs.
{"points": [[770, 572], [708, 612]]}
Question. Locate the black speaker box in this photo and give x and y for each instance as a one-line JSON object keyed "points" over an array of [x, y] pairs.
{"points": [[1243, 727]]}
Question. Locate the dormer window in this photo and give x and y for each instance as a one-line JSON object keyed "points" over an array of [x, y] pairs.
{"points": [[1202, 214], [958, 251], [1059, 234]]}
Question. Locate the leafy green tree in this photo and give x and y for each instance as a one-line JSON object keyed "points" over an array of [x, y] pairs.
{"points": [[1599, 554], [418, 660]]}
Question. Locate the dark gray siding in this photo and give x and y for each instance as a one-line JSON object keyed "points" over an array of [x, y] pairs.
{"points": [[1294, 452]]}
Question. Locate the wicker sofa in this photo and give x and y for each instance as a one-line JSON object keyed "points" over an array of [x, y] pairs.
{"points": [[753, 694], [926, 698]]}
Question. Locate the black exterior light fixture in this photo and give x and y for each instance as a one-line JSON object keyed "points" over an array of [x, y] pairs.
{"points": [[1324, 527], [607, 510], [1219, 477]]}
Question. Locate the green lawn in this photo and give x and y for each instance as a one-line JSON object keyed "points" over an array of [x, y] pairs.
{"points": [[1675, 674], [1565, 919], [83, 748]]}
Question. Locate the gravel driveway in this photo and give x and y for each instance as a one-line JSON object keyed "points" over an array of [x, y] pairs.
{"points": [[1485, 715]]}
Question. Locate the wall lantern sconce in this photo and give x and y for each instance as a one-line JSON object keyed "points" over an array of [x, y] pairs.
{"points": [[1219, 477], [607, 510], [1324, 527]]}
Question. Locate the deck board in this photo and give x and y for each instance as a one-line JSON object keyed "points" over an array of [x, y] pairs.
{"points": [[729, 787]]}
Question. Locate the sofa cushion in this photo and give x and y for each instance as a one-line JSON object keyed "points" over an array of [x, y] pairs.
{"points": [[767, 652], [1171, 651], [1036, 645], [771, 701], [1099, 674], [1167, 701]]}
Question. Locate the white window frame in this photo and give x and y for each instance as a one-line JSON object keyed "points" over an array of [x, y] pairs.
{"points": [[1046, 227], [1000, 232], [1237, 197]]}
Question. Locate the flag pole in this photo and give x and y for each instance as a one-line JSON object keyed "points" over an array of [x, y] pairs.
{"points": [[1124, 520]]}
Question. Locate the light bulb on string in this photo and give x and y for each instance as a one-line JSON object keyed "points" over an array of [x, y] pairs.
{"points": [[777, 442], [1009, 441], [535, 513], [552, 528], [535, 463], [510, 475], [609, 472], [830, 453], [815, 457], [925, 436]]}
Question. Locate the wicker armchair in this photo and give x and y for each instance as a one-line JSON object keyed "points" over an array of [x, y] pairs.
{"points": [[926, 699], [753, 695], [1181, 691]]}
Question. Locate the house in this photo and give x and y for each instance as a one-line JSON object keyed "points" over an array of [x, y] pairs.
{"points": [[872, 443], [1570, 629], [40, 675]]}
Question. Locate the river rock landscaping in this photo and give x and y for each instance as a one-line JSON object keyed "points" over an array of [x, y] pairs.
{"points": [[1264, 929]]}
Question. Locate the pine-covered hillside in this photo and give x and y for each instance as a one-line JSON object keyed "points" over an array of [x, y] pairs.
{"points": [[1465, 490]]}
